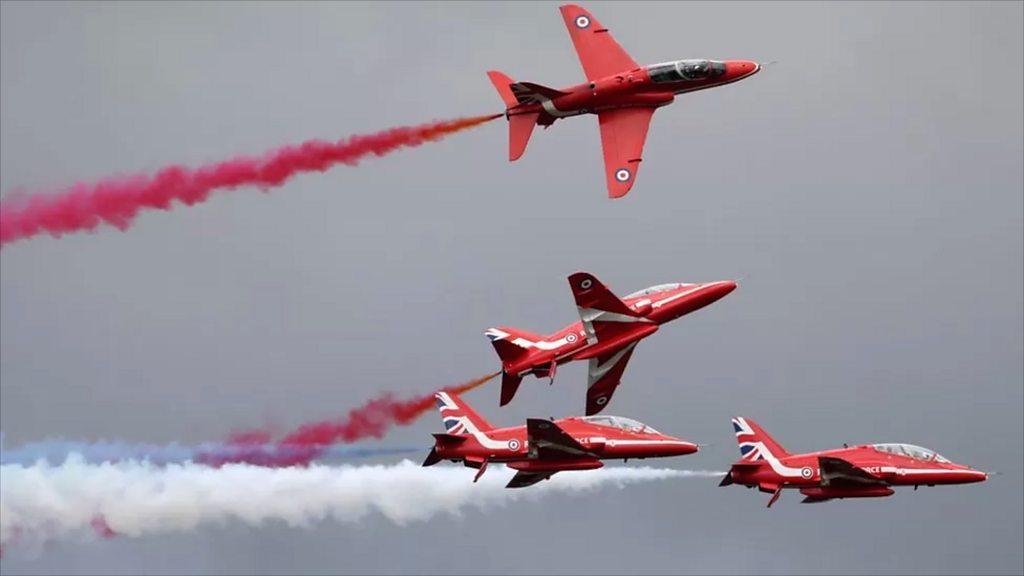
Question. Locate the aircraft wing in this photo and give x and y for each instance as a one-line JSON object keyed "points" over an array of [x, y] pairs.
{"points": [[591, 294], [838, 471], [599, 53], [524, 479], [602, 313], [603, 376], [623, 133], [546, 440], [604, 316]]}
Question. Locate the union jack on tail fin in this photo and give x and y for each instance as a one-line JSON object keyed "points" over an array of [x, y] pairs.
{"points": [[458, 417], [514, 95], [753, 440], [511, 344]]}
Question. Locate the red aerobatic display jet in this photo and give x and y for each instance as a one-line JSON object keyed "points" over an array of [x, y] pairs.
{"points": [[608, 330], [543, 448], [623, 94], [867, 471]]}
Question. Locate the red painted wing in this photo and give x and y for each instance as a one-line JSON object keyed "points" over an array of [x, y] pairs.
{"points": [[524, 479], [836, 471], [603, 376], [547, 440], [599, 53], [591, 294], [623, 133], [604, 316]]}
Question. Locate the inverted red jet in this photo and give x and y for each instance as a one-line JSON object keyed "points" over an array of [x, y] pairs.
{"points": [[623, 94], [608, 330], [543, 448], [867, 471]]}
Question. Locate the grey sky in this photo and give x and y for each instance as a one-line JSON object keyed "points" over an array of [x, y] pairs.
{"points": [[866, 191]]}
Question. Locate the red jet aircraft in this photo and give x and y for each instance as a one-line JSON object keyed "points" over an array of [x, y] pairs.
{"points": [[608, 330], [543, 448], [623, 94], [866, 471]]}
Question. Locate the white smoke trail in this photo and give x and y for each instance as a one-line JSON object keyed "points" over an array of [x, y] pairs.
{"points": [[43, 502], [56, 451]]}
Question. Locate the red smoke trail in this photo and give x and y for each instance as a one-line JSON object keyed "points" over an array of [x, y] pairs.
{"points": [[101, 528], [117, 201], [371, 420]]}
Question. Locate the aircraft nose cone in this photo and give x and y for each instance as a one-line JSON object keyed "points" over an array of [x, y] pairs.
{"points": [[681, 447], [722, 289], [741, 68], [964, 475]]}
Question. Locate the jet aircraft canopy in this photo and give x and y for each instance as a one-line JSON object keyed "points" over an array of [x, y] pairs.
{"points": [[654, 290], [621, 423], [685, 70], [915, 452]]}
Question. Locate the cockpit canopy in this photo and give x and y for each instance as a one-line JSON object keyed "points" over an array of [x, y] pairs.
{"points": [[915, 452], [655, 290], [685, 70], [621, 423]]}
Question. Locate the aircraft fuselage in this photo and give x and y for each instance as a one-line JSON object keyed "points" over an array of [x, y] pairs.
{"points": [[802, 470], [634, 88], [570, 343], [510, 446]]}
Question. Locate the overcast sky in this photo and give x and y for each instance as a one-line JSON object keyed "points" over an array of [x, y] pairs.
{"points": [[865, 191]]}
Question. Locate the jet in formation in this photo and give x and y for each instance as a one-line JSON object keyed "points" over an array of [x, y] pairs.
{"points": [[606, 335], [542, 448], [623, 95], [867, 471]]}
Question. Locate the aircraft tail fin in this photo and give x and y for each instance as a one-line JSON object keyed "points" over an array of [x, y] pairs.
{"points": [[458, 417], [515, 94], [520, 128], [511, 344], [503, 84], [754, 442]]}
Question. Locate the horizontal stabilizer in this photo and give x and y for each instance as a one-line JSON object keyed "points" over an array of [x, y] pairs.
{"points": [[432, 458], [509, 386], [743, 467], [443, 439], [524, 479], [520, 127], [530, 93]]}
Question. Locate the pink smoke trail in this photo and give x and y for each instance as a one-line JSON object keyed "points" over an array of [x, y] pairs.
{"points": [[101, 527], [117, 201], [373, 419], [307, 443], [300, 447]]}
